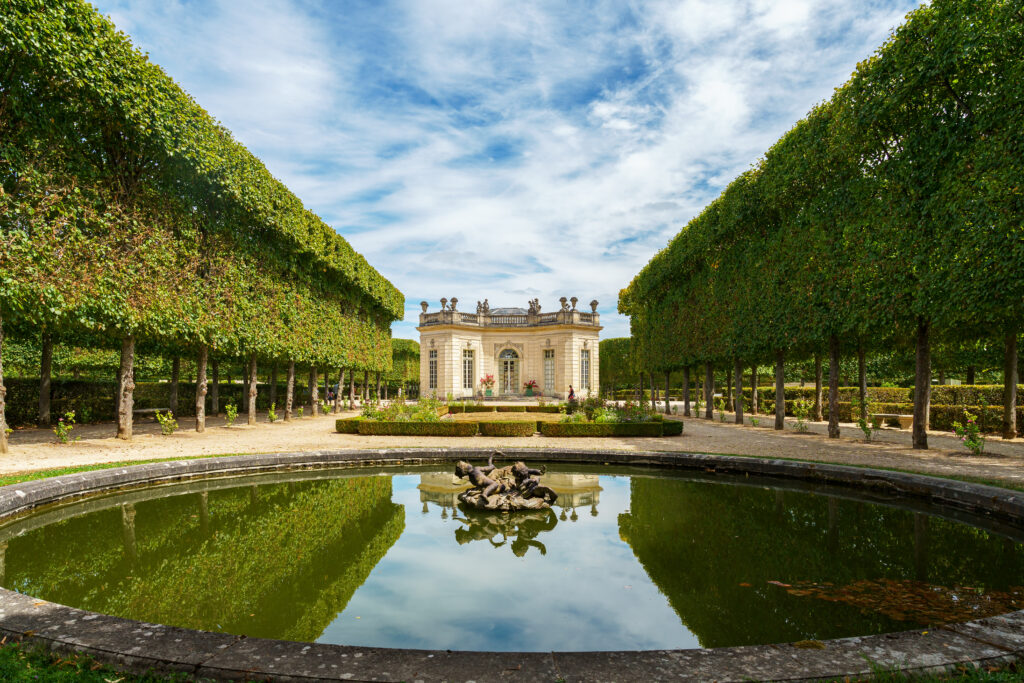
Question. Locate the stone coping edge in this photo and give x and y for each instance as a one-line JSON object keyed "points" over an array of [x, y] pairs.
{"points": [[137, 646]]}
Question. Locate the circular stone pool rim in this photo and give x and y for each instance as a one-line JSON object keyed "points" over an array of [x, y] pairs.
{"points": [[138, 646]]}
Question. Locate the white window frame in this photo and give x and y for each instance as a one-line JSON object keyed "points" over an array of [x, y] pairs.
{"points": [[584, 369], [549, 364], [468, 369], [432, 370]]}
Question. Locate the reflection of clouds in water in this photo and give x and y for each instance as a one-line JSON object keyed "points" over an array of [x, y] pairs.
{"points": [[587, 593]]}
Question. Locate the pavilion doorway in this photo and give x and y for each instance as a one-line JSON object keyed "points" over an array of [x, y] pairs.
{"points": [[508, 371]]}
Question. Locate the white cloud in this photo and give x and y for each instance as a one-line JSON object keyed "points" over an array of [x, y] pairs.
{"points": [[508, 149]]}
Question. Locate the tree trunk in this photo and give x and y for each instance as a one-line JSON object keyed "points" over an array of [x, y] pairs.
{"points": [[253, 382], [366, 385], [819, 412], [709, 391], [3, 395], [337, 394], [738, 403], [352, 388], [1010, 386], [833, 387], [780, 390], [45, 374], [126, 385], [313, 390], [686, 391], [922, 385], [942, 376], [377, 380], [728, 388], [654, 404], [215, 388], [289, 392], [862, 381], [640, 395], [668, 388], [970, 374], [175, 376], [753, 389], [273, 384], [201, 389]]}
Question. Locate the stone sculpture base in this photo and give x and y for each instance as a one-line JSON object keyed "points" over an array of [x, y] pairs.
{"points": [[502, 502]]}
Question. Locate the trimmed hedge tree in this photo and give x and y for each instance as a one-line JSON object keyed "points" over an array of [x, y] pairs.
{"points": [[890, 216], [132, 218]]}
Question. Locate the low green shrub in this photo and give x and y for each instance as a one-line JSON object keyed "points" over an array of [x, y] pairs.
{"points": [[542, 409], [480, 409], [601, 429], [511, 409], [446, 428], [348, 425], [672, 428], [456, 408], [508, 428]]}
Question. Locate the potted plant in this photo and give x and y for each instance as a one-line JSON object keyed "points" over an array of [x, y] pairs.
{"points": [[487, 382], [530, 386]]}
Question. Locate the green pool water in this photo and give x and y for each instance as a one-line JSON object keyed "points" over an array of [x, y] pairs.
{"points": [[627, 559]]}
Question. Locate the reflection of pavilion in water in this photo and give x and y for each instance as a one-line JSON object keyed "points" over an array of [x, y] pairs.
{"points": [[574, 490]]}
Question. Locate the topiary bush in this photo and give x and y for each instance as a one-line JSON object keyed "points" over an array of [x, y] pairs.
{"points": [[511, 409], [479, 409], [541, 409]]}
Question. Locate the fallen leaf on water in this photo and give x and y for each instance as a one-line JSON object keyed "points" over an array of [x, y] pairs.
{"points": [[779, 583], [745, 584]]}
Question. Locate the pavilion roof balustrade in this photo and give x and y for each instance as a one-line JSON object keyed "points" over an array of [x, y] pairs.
{"points": [[565, 317]]}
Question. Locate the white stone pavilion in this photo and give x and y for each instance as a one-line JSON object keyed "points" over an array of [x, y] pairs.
{"points": [[515, 345]]}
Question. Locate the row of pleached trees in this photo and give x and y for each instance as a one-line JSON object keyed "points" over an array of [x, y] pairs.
{"points": [[129, 216], [892, 214]]}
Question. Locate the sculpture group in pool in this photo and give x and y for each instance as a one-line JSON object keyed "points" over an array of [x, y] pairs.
{"points": [[507, 489]]}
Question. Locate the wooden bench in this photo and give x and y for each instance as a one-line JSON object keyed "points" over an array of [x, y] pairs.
{"points": [[906, 421]]}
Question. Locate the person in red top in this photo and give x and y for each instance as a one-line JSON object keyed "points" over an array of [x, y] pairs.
{"points": [[572, 394]]}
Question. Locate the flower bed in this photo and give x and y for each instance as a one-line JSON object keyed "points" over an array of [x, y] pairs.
{"points": [[409, 428], [509, 428]]}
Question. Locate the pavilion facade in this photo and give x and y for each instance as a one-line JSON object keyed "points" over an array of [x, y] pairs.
{"points": [[513, 345]]}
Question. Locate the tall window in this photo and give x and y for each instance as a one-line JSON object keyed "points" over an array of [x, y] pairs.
{"points": [[432, 371], [549, 371], [468, 370], [584, 369]]}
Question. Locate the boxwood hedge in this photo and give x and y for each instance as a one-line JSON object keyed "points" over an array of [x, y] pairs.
{"points": [[601, 429], [672, 428], [508, 428], [348, 425], [446, 428]]}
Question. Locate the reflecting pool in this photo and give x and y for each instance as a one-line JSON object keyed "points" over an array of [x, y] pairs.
{"points": [[626, 559]]}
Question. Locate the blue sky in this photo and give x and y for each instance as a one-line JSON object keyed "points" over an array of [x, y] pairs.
{"points": [[507, 150]]}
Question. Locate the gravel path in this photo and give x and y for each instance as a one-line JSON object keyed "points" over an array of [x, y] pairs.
{"points": [[33, 449]]}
